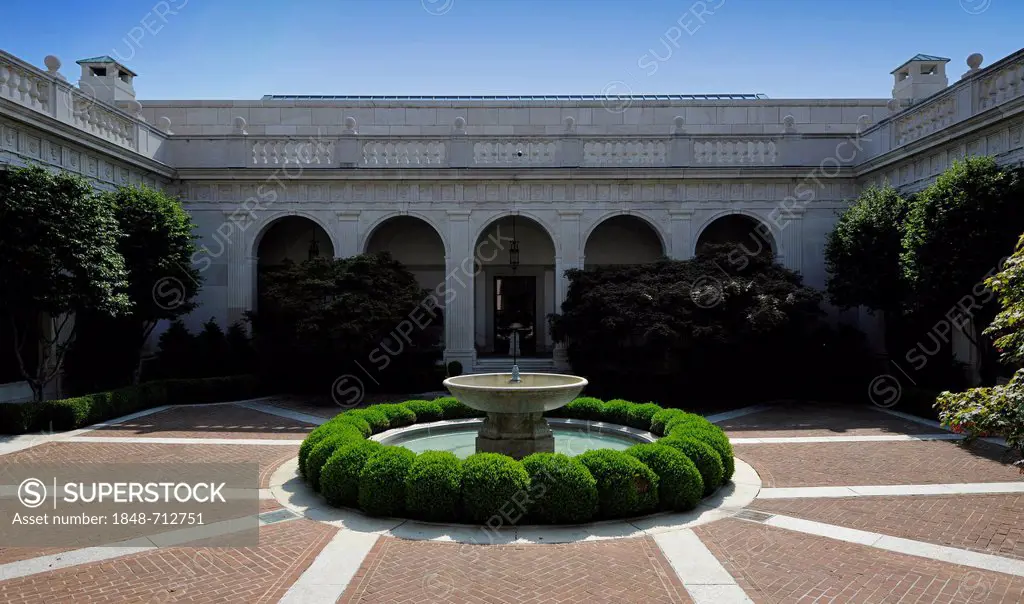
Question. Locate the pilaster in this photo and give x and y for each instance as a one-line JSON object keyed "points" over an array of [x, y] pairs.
{"points": [[347, 230], [680, 229], [460, 271]]}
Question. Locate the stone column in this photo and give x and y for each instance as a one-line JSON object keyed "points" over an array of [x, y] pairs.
{"points": [[681, 233], [570, 256], [459, 323], [348, 234], [241, 267]]}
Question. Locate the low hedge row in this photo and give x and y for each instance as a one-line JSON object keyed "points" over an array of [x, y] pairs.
{"points": [[692, 460], [72, 413]]}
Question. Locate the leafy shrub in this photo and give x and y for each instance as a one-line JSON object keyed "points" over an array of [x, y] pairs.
{"points": [[615, 411], [322, 451], [584, 407], [453, 408], [360, 423], [625, 486], [708, 463], [433, 486], [639, 416], [686, 419], [382, 481], [980, 412], [374, 417], [662, 418], [679, 483], [562, 490], [490, 482], [398, 416], [715, 437], [319, 434], [339, 478], [426, 411]]}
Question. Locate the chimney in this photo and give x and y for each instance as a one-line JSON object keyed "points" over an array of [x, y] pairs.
{"points": [[106, 80], [919, 78]]}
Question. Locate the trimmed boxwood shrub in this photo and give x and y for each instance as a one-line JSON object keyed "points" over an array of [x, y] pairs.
{"points": [[615, 411], [322, 451], [686, 419], [662, 418], [433, 486], [353, 420], [398, 416], [452, 408], [374, 417], [562, 490], [708, 463], [584, 407], [679, 483], [339, 478], [625, 486], [490, 482], [639, 416], [318, 434], [426, 411], [382, 481], [715, 437]]}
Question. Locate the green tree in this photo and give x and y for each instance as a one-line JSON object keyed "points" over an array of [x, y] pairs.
{"points": [[58, 255], [862, 252], [157, 246]]}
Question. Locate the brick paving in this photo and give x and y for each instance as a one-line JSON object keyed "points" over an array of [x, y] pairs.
{"points": [[775, 565], [871, 463], [251, 575], [820, 419], [218, 421], [993, 524], [612, 572]]}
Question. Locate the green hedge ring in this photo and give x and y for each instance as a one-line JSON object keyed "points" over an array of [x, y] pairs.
{"points": [[692, 460]]}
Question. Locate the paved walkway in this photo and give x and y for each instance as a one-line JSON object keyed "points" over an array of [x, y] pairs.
{"points": [[857, 505]]}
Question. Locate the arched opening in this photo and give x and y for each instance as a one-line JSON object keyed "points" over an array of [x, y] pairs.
{"points": [[748, 234], [514, 288], [622, 240], [414, 242], [287, 241]]}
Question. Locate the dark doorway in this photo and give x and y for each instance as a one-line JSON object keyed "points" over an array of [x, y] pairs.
{"points": [[515, 301]]}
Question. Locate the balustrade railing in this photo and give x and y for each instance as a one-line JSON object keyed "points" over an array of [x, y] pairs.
{"points": [[25, 87], [512, 152], [1004, 84], [931, 117], [304, 152], [625, 152], [404, 153], [735, 152]]}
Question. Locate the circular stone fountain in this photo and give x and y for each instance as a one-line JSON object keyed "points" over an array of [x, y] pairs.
{"points": [[515, 404]]}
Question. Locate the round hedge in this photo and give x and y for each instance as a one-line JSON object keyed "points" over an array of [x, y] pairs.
{"points": [[639, 416], [339, 478], [426, 411], [562, 490], [708, 463], [680, 485], [625, 486], [692, 460], [323, 450], [382, 481], [714, 437], [398, 416], [584, 407], [493, 485], [376, 419], [433, 486], [663, 417]]}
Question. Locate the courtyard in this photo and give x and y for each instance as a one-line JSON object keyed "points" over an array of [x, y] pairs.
{"points": [[855, 504]]}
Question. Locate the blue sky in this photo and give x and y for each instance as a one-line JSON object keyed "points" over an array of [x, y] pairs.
{"points": [[243, 49]]}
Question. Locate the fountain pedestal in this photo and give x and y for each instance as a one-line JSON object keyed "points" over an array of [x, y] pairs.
{"points": [[515, 434]]}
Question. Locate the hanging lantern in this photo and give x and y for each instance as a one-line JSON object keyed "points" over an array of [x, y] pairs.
{"points": [[513, 250]]}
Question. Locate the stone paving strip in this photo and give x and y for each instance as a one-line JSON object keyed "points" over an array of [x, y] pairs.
{"points": [[160, 440], [779, 440], [969, 488], [703, 576], [899, 545], [332, 570]]}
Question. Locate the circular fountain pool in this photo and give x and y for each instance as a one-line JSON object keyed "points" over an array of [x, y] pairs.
{"points": [[572, 437]]}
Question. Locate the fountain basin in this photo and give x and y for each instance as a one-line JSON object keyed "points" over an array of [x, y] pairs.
{"points": [[515, 424]]}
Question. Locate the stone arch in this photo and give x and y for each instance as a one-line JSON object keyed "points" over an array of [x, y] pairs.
{"points": [[614, 226], [741, 227], [276, 218], [286, 237], [383, 220], [494, 218]]}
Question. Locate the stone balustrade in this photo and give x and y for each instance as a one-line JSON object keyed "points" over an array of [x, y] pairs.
{"points": [[719, 151], [386, 153], [104, 122], [625, 152], [515, 152], [281, 152], [931, 117], [23, 86], [1003, 84]]}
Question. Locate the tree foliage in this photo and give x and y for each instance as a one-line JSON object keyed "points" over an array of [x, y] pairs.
{"points": [[58, 255], [862, 253]]}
